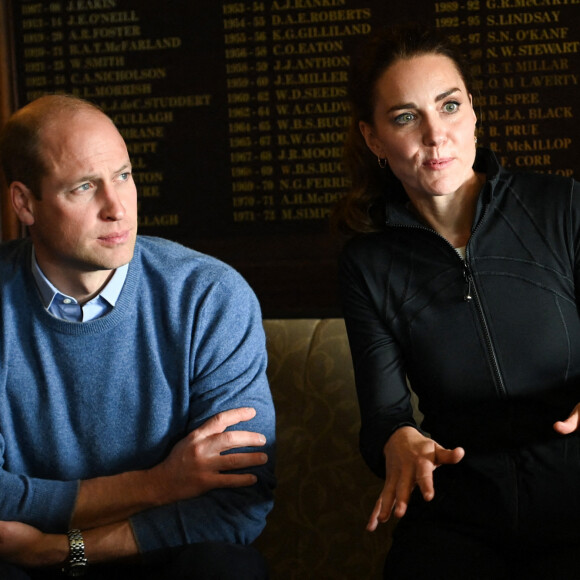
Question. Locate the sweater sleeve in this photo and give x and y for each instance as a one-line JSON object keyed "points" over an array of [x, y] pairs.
{"points": [[44, 504], [383, 396], [228, 364], [38, 501]]}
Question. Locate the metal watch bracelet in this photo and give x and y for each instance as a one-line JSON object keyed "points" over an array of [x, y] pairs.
{"points": [[76, 563]]}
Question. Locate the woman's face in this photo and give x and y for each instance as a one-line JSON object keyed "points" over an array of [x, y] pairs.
{"points": [[424, 125]]}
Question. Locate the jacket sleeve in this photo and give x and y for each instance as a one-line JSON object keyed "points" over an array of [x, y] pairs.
{"points": [[227, 370], [383, 395], [574, 235]]}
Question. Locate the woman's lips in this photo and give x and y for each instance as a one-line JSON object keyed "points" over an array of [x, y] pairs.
{"points": [[436, 164]]}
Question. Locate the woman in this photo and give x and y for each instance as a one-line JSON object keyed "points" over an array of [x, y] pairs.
{"points": [[461, 277]]}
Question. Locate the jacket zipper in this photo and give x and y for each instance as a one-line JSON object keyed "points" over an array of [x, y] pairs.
{"points": [[470, 295]]}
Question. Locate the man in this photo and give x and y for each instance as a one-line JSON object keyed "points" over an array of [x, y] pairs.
{"points": [[136, 423]]}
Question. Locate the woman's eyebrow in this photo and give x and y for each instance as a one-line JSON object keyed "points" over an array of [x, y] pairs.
{"points": [[446, 94], [414, 106]]}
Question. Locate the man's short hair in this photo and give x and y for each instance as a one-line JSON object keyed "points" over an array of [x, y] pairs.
{"points": [[20, 155]]}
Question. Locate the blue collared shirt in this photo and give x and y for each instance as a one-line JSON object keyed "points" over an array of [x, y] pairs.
{"points": [[67, 308]]}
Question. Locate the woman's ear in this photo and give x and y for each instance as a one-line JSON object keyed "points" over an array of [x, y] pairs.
{"points": [[22, 202], [472, 107], [371, 139]]}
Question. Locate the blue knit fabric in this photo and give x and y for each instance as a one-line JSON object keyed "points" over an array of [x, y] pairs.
{"points": [[184, 342]]}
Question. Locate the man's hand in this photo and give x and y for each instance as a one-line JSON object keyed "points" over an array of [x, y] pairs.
{"points": [[411, 458], [570, 424], [24, 545], [196, 464]]}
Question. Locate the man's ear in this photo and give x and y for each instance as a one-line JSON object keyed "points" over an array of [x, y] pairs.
{"points": [[22, 201], [370, 138]]}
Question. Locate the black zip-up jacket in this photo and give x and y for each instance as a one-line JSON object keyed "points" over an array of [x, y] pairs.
{"points": [[491, 344]]}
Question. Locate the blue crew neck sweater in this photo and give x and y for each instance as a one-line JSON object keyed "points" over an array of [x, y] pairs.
{"points": [[79, 400]]}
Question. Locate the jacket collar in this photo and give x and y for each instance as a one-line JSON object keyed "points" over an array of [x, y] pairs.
{"points": [[398, 212]]}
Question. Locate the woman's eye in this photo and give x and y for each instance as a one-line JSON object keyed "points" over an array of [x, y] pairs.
{"points": [[451, 107], [404, 118]]}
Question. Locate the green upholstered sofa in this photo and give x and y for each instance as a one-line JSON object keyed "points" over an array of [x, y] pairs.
{"points": [[325, 492]]}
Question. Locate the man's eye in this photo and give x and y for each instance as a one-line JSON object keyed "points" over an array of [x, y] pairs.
{"points": [[82, 188]]}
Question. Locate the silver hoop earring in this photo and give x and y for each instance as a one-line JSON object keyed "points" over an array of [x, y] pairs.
{"points": [[382, 162], [475, 139]]}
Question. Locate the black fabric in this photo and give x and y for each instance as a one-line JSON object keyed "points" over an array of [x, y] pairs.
{"points": [[493, 372], [204, 561], [441, 552], [490, 372]]}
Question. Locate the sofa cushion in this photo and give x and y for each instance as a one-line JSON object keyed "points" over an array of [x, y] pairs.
{"points": [[325, 492]]}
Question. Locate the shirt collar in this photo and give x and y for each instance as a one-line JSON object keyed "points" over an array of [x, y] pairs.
{"points": [[48, 291]]}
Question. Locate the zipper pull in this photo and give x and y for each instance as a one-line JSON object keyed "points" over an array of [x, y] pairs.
{"points": [[467, 275]]}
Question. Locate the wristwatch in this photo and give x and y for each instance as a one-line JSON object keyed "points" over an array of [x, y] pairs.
{"points": [[76, 564]]}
